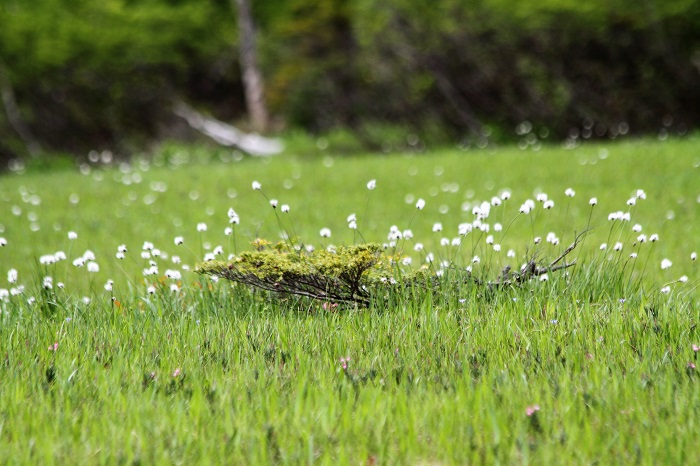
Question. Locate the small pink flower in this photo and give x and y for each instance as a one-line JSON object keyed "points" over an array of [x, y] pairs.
{"points": [[329, 306], [53, 347], [691, 365], [177, 372], [696, 348], [344, 362], [531, 410]]}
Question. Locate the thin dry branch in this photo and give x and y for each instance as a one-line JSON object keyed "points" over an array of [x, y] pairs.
{"points": [[532, 270]]}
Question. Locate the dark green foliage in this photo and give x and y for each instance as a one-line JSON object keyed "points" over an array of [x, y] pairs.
{"points": [[94, 75]]}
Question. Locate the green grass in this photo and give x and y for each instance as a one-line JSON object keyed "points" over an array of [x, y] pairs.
{"points": [[220, 374]]}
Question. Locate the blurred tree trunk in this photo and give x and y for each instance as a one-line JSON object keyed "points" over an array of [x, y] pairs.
{"points": [[252, 77], [14, 117]]}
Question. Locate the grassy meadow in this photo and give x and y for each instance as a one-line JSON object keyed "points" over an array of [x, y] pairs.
{"points": [[116, 352]]}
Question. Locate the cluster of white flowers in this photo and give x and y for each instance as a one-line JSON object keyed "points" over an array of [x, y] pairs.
{"points": [[485, 236]]}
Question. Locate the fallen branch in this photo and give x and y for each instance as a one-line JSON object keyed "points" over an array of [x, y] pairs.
{"points": [[351, 275], [228, 135]]}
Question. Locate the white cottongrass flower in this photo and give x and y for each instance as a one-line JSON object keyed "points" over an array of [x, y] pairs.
{"points": [[430, 257], [72, 235], [179, 240], [145, 255], [93, 267], [152, 270], [285, 208], [407, 261], [12, 276], [569, 192], [665, 263], [79, 262], [371, 184], [209, 257], [352, 225], [666, 289], [120, 255], [176, 259], [542, 197], [3, 242], [489, 239], [256, 186], [109, 286], [219, 250], [618, 246], [121, 248], [641, 194], [325, 232], [642, 238], [437, 227], [511, 253], [233, 217], [18, 290], [693, 256], [637, 228], [407, 234], [526, 207], [505, 195], [476, 259], [654, 238], [538, 239], [548, 204], [683, 279], [456, 241], [593, 201], [497, 247], [496, 201], [201, 226], [47, 259], [352, 218], [89, 255], [631, 201], [497, 227], [544, 277], [151, 289], [418, 247], [174, 288], [273, 203], [147, 246], [394, 233], [173, 274], [228, 231], [420, 204], [47, 283], [603, 246], [444, 242], [465, 228], [633, 255]]}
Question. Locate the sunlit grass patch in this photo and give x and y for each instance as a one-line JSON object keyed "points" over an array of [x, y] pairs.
{"points": [[140, 359]]}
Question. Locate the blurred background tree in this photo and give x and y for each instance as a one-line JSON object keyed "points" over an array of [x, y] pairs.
{"points": [[77, 75]]}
